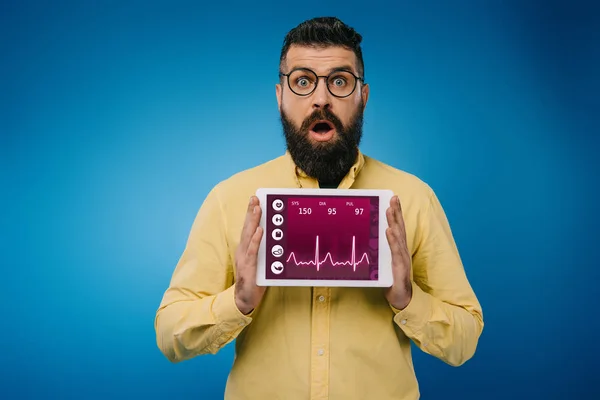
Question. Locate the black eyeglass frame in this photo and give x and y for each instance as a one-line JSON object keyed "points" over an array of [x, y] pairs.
{"points": [[357, 79]]}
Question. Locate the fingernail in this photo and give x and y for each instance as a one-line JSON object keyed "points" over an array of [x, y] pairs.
{"points": [[250, 201]]}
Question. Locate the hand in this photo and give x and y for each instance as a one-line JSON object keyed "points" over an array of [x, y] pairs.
{"points": [[247, 294], [400, 294]]}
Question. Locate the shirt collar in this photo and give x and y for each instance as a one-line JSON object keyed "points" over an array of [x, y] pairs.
{"points": [[304, 181]]}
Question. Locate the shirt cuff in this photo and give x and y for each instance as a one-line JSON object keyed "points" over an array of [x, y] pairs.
{"points": [[415, 316], [227, 315]]}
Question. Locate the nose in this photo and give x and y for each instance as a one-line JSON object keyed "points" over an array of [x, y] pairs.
{"points": [[321, 95]]}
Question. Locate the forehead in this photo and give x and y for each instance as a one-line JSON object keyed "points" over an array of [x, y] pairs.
{"points": [[320, 59]]}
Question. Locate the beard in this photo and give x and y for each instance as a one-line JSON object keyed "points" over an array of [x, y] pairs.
{"points": [[330, 161]]}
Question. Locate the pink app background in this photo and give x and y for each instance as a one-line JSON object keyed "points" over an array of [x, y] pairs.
{"points": [[322, 237]]}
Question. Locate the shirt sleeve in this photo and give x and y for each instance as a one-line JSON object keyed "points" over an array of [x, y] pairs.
{"points": [[198, 314], [444, 317]]}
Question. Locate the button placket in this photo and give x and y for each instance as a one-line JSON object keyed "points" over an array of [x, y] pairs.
{"points": [[320, 344]]}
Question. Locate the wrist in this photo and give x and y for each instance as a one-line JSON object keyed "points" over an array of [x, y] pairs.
{"points": [[402, 301], [400, 304], [244, 309], [243, 306]]}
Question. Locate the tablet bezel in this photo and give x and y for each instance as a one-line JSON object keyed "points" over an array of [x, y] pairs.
{"points": [[385, 278]]}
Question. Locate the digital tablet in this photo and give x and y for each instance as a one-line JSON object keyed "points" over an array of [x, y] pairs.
{"points": [[324, 237]]}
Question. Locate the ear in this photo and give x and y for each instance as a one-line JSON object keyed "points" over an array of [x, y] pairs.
{"points": [[278, 94], [365, 95]]}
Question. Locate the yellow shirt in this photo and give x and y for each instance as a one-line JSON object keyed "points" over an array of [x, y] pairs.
{"points": [[319, 343]]}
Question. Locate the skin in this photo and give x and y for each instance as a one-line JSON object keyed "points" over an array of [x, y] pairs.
{"points": [[321, 60]]}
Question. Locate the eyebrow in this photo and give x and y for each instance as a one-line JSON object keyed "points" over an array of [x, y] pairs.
{"points": [[345, 67]]}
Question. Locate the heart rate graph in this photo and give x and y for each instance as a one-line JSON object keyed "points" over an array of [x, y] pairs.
{"points": [[317, 261]]}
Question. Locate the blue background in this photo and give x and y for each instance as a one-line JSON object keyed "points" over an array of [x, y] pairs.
{"points": [[118, 117]]}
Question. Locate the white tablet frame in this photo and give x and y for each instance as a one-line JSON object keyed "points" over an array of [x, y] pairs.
{"points": [[385, 278]]}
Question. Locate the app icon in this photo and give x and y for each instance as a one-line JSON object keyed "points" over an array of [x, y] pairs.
{"points": [[277, 267], [277, 219], [277, 250], [278, 205], [277, 234]]}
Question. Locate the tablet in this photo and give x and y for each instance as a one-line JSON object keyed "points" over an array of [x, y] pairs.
{"points": [[324, 237]]}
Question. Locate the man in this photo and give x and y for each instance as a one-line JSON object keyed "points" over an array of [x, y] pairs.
{"points": [[320, 343]]}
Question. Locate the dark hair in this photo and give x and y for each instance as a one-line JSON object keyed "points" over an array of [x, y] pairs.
{"points": [[323, 32]]}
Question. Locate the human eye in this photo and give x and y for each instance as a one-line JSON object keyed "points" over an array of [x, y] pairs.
{"points": [[303, 81], [339, 80]]}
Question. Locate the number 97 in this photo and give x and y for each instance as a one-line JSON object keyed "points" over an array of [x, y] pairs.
{"points": [[358, 211]]}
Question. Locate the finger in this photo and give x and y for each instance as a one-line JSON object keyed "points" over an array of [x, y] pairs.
{"points": [[252, 223], [394, 243], [249, 223], [398, 219], [396, 228], [392, 217], [253, 246], [389, 214]]}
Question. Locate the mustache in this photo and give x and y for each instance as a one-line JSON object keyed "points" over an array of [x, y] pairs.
{"points": [[320, 114]]}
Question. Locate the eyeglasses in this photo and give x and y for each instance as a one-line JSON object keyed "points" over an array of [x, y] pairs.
{"points": [[340, 83]]}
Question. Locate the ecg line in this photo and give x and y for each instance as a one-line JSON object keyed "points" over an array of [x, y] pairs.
{"points": [[316, 262]]}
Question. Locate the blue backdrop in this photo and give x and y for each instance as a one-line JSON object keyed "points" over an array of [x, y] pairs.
{"points": [[118, 117]]}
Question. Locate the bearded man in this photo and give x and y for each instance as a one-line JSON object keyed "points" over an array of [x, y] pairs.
{"points": [[335, 343]]}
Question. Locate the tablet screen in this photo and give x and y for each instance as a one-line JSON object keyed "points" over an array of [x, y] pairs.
{"points": [[322, 237]]}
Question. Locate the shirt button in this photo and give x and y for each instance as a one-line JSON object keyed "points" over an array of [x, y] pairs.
{"points": [[321, 298], [403, 322], [320, 352], [242, 323]]}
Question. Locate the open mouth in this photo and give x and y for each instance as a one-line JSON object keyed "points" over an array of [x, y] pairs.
{"points": [[321, 127]]}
